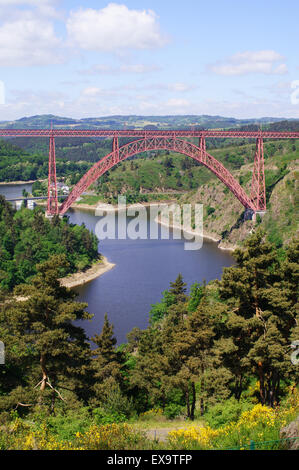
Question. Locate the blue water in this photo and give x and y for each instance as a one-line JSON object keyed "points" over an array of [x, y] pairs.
{"points": [[144, 269]]}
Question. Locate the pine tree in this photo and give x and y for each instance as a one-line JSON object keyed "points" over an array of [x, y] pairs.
{"points": [[149, 378], [178, 289], [260, 319], [39, 331], [106, 363], [188, 341]]}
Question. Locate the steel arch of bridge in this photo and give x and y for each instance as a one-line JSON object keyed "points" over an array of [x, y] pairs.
{"points": [[198, 153]]}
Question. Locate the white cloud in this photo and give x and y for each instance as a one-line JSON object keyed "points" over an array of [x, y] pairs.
{"points": [[29, 40], [263, 62], [102, 69], [139, 68], [257, 56], [177, 103], [114, 28], [180, 87], [46, 8]]}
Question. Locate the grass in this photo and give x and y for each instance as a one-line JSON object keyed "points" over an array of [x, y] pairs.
{"points": [[90, 200]]}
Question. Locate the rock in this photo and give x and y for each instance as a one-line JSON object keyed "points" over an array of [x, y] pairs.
{"points": [[291, 431]]}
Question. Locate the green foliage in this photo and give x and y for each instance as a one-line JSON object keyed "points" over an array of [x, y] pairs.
{"points": [[210, 210], [66, 425], [172, 411], [18, 165], [102, 416], [28, 238], [159, 310], [44, 349], [226, 412], [196, 294]]}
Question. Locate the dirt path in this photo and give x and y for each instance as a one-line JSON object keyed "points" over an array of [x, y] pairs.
{"points": [[158, 434]]}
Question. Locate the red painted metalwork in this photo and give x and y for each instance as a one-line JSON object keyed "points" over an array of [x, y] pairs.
{"points": [[148, 133], [155, 143], [155, 140], [115, 149], [258, 187], [52, 207]]}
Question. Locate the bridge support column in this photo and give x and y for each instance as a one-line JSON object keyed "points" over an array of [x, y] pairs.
{"points": [[52, 207], [202, 146], [258, 186], [115, 149]]}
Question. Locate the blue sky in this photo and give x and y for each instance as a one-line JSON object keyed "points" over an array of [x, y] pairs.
{"points": [[97, 58]]}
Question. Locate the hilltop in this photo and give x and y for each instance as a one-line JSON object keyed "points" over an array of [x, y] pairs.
{"points": [[134, 122]]}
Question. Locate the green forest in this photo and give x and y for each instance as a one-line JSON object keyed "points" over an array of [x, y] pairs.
{"points": [[27, 238], [218, 356]]}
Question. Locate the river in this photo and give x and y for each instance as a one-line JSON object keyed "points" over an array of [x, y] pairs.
{"points": [[144, 269]]}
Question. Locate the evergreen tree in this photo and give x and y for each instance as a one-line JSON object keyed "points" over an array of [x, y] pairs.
{"points": [[106, 363], [178, 289], [260, 319], [188, 344], [196, 294], [52, 353]]}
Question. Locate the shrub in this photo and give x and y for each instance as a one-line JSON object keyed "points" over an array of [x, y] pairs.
{"points": [[226, 412], [260, 424], [172, 411], [107, 417]]}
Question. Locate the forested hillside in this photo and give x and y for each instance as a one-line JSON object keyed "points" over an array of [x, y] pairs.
{"points": [[219, 354], [27, 238]]}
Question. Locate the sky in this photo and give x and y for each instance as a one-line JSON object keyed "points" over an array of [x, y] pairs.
{"points": [[94, 58]]}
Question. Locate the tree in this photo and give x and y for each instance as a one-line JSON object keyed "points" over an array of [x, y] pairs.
{"points": [[106, 363], [38, 326], [260, 318], [188, 342], [178, 289], [149, 378], [196, 294], [160, 309]]}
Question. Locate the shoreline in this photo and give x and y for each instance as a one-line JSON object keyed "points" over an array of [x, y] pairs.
{"points": [[83, 277], [111, 208], [205, 236], [115, 209], [8, 183]]}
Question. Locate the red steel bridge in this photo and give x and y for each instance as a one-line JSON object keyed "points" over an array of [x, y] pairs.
{"points": [[146, 140]]}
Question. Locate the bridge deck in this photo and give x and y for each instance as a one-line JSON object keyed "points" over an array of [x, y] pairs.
{"points": [[146, 133]]}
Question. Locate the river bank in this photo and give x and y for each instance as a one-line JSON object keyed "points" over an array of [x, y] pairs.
{"points": [[110, 208], [83, 277], [9, 183], [206, 236]]}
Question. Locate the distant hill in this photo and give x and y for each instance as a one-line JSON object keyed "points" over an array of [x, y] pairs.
{"points": [[136, 122]]}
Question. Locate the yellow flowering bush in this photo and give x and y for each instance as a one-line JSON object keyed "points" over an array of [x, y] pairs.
{"points": [[154, 413], [108, 437], [259, 424], [192, 437]]}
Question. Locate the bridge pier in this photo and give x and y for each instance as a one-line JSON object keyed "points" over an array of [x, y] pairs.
{"points": [[250, 214], [258, 185], [52, 207], [256, 213]]}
